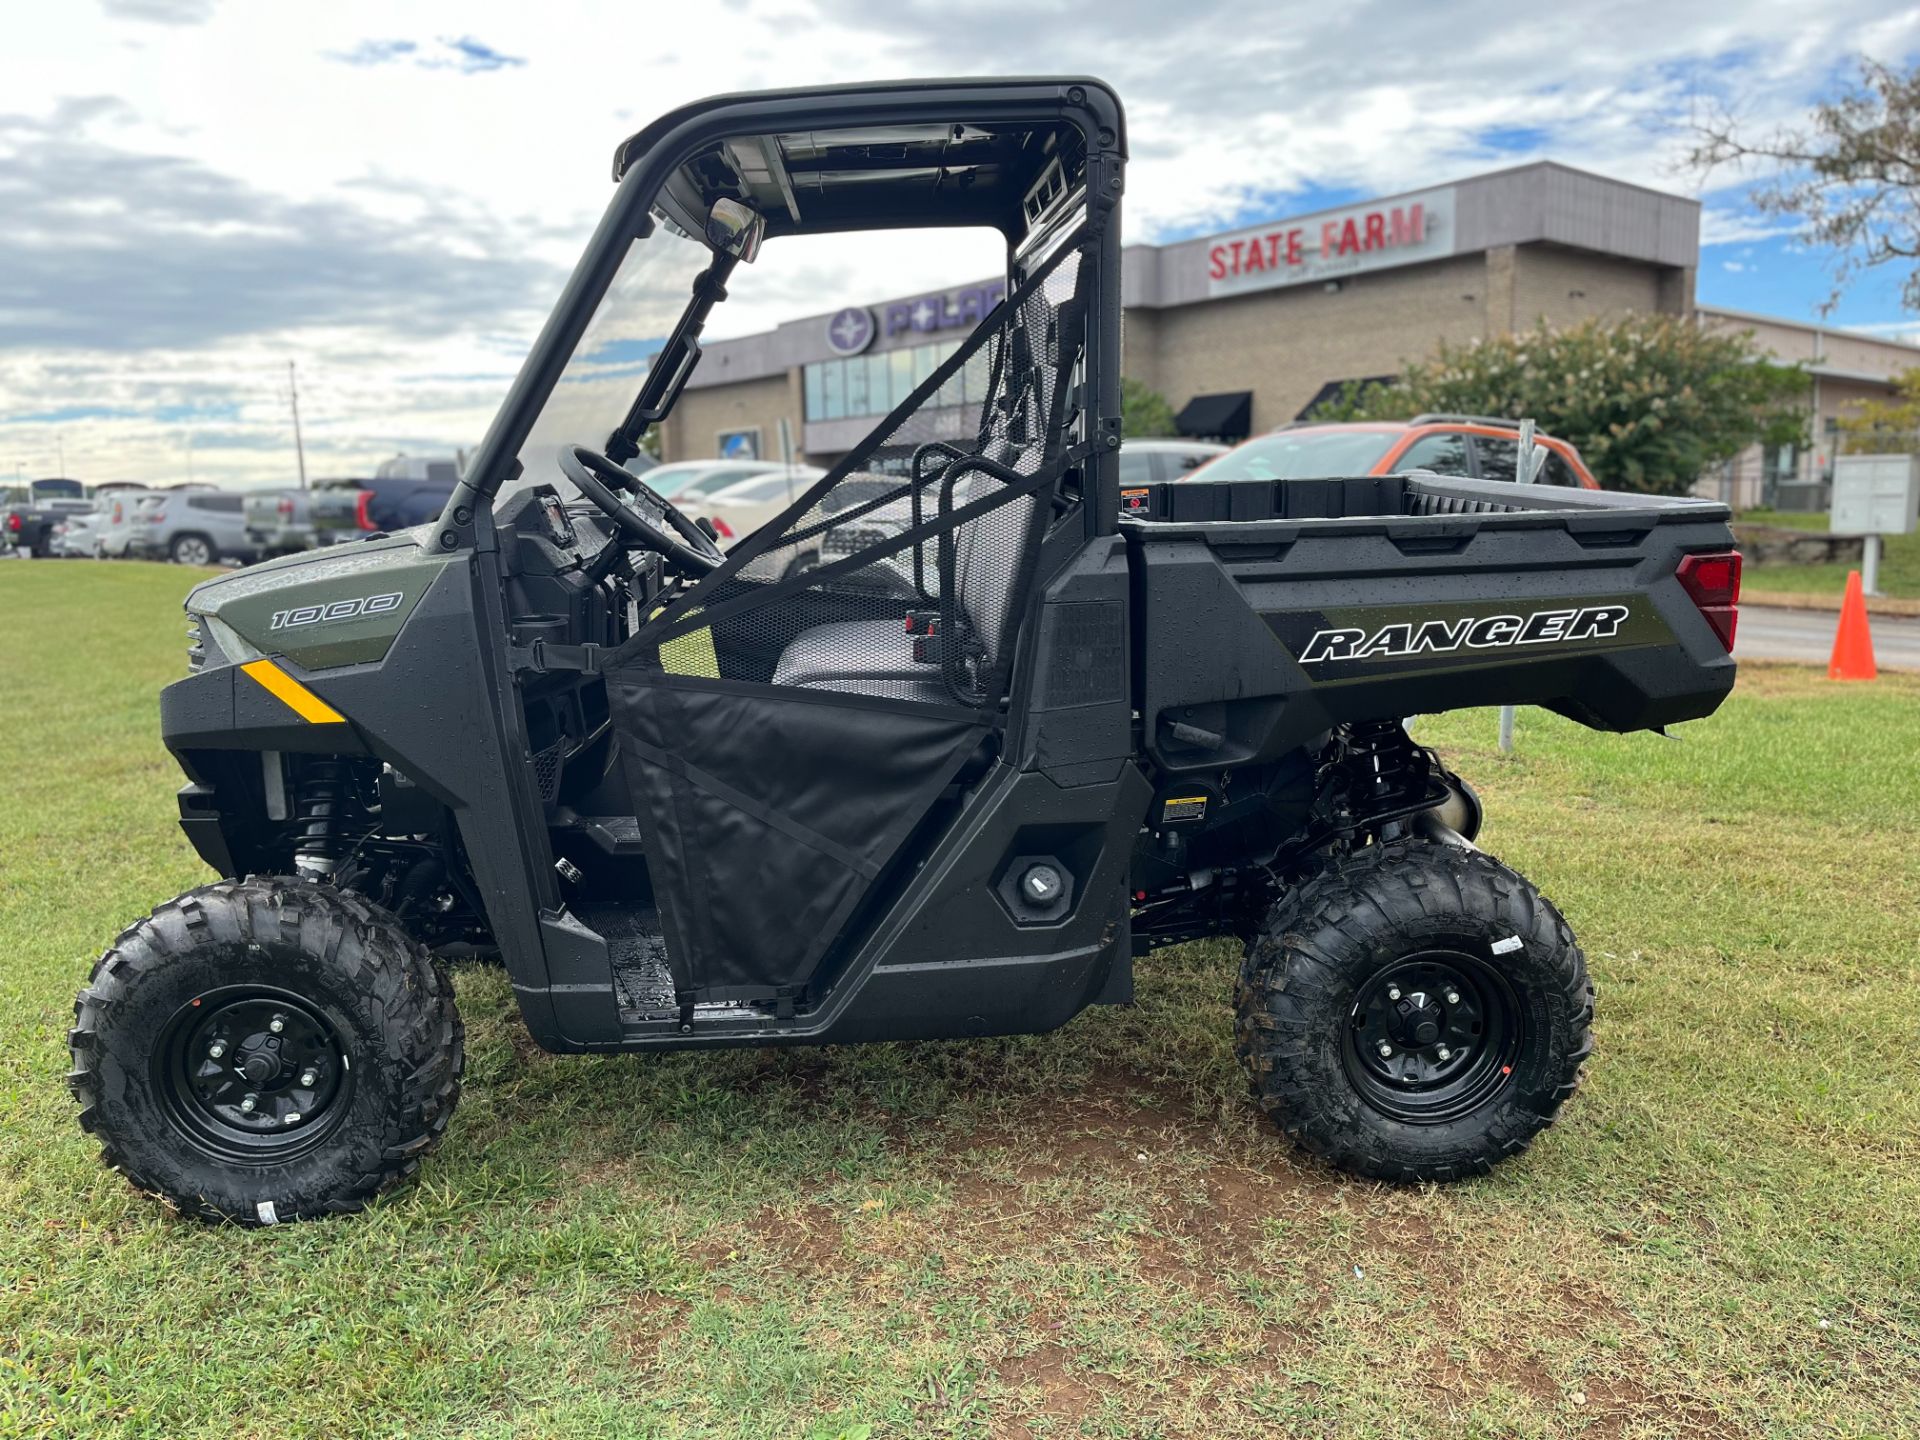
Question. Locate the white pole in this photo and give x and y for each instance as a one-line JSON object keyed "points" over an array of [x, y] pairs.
{"points": [[1870, 565], [786, 454], [1523, 474], [299, 446]]}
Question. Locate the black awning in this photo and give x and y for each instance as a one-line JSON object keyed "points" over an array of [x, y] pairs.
{"points": [[1217, 417], [1332, 389]]}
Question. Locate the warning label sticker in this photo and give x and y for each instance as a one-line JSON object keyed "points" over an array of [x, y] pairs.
{"points": [[1183, 807]]}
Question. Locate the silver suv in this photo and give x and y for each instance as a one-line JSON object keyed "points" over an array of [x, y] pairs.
{"points": [[193, 527]]}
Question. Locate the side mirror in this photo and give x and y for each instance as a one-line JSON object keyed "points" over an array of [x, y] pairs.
{"points": [[736, 228]]}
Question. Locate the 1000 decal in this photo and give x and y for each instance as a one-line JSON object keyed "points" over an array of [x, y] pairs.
{"points": [[337, 610]]}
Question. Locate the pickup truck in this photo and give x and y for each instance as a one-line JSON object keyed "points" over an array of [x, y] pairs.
{"points": [[31, 513], [282, 522]]}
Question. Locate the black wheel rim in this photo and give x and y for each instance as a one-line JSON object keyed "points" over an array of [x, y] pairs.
{"points": [[1433, 1037], [252, 1074]]}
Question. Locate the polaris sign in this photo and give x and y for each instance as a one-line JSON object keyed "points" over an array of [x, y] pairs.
{"points": [[852, 330]]}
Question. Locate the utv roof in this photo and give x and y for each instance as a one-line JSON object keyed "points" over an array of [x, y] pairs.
{"points": [[944, 152]]}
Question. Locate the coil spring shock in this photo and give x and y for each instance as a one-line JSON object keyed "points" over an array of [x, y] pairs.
{"points": [[1388, 769], [322, 803]]}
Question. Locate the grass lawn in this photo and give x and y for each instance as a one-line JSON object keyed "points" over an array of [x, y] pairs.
{"points": [[1085, 1233], [1899, 562]]}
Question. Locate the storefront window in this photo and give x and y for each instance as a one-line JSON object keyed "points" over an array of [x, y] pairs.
{"points": [[875, 384], [833, 388], [900, 365]]}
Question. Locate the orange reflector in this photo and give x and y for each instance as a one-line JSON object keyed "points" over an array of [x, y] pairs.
{"points": [[291, 693]]}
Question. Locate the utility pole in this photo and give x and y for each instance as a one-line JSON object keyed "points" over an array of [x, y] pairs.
{"points": [[299, 447], [60, 443]]}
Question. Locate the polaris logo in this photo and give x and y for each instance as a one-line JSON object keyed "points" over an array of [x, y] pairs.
{"points": [[338, 610], [1489, 632]]}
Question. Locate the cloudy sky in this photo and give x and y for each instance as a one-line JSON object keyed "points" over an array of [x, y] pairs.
{"points": [[195, 192]]}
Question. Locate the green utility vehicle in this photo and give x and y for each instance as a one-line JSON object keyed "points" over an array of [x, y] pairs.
{"points": [[1017, 727]]}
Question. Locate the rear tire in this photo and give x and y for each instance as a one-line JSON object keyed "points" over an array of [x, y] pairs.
{"points": [[241, 1004], [1414, 1012], [193, 550]]}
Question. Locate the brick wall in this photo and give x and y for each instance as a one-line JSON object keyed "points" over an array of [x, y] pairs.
{"points": [[1568, 286], [1284, 344], [691, 432]]}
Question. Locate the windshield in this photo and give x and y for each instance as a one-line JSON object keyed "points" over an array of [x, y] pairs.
{"points": [[1300, 455], [648, 294]]}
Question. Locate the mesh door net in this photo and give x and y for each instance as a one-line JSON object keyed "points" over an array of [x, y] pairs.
{"points": [[786, 724], [901, 573]]}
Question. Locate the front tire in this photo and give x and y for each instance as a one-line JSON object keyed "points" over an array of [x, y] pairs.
{"points": [[1415, 1012], [266, 1050]]}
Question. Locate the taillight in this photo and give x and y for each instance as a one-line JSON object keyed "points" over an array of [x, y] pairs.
{"points": [[720, 527], [1712, 582], [13, 523], [285, 507], [361, 514]]}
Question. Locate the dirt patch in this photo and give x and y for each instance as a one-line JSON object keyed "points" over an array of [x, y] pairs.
{"points": [[650, 1317], [1044, 1383], [809, 1240]]}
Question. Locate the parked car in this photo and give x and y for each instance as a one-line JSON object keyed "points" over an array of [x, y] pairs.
{"points": [[78, 536], [122, 519], [739, 509], [197, 527], [31, 513], [687, 481], [1469, 445], [280, 522], [1148, 460]]}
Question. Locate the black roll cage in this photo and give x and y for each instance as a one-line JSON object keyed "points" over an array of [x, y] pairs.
{"points": [[559, 974], [645, 161]]}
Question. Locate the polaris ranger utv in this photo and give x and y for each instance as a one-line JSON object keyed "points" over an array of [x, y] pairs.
{"points": [[943, 750]]}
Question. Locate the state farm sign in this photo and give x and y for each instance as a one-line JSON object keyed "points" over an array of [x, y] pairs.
{"points": [[1333, 243]]}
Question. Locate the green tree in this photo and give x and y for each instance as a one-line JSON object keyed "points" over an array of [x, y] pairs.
{"points": [[1882, 426], [1650, 400], [1850, 176], [1143, 411]]}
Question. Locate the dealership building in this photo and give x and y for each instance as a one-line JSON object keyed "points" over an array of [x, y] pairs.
{"points": [[1249, 329]]}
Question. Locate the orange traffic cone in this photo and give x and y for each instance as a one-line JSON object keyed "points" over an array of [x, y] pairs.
{"points": [[1853, 642]]}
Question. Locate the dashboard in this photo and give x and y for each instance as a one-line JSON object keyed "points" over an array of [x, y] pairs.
{"points": [[562, 584]]}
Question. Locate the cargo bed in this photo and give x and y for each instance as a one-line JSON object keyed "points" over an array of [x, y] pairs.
{"points": [[1318, 601]]}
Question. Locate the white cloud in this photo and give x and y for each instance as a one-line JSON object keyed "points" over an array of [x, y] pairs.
{"points": [[392, 195]]}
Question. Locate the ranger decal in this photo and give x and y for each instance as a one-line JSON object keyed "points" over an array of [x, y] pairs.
{"points": [[1488, 632]]}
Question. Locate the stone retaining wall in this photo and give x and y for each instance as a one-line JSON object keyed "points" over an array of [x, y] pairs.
{"points": [[1783, 545]]}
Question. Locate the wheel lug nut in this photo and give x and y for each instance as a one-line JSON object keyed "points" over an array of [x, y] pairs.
{"points": [[307, 1077], [277, 1024], [293, 1118], [216, 1050], [1444, 1053], [1386, 1050], [247, 1102], [1393, 992], [1453, 997]]}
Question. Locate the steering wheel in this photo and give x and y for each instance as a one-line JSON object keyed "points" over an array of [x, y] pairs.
{"points": [[651, 522]]}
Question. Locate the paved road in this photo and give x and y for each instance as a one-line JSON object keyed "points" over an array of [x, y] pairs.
{"points": [[1807, 635]]}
